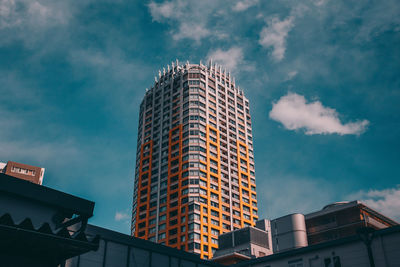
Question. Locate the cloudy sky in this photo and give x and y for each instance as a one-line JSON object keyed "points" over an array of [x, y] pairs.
{"points": [[322, 76]]}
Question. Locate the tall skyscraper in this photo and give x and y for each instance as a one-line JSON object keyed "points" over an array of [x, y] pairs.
{"points": [[194, 173]]}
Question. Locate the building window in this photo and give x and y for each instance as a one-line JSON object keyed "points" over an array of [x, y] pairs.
{"points": [[296, 263], [23, 171], [161, 236], [332, 262]]}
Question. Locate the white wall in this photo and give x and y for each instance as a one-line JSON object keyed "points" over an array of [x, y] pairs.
{"points": [[386, 252]]}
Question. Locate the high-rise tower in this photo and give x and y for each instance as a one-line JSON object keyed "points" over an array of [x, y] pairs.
{"points": [[194, 173]]}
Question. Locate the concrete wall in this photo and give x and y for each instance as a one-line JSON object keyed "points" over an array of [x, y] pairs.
{"points": [[385, 248], [21, 208]]}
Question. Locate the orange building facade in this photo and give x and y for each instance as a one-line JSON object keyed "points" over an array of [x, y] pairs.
{"points": [[195, 176]]}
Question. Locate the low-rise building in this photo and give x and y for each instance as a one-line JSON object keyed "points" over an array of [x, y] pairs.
{"points": [[23, 171], [294, 231], [348, 251], [342, 219], [36, 224]]}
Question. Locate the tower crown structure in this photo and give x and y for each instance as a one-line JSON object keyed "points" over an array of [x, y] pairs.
{"points": [[195, 176]]}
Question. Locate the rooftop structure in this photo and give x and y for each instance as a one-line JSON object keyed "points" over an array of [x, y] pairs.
{"points": [[288, 232], [266, 238], [342, 219], [242, 244], [36, 224]]}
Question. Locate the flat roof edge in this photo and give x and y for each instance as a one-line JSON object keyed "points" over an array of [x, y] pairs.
{"points": [[46, 195]]}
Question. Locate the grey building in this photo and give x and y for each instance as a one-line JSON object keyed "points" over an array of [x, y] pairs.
{"points": [[268, 237], [120, 250], [349, 251], [243, 244]]}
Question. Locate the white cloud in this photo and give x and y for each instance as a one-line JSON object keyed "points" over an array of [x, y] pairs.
{"points": [[162, 10], [31, 14], [121, 216], [191, 31], [275, 34], [7, 14], [319, 2], [31, 21], [291, 75], [295, 113], [189, 19], [230, 58], [244, 5], [39, 10], [386, 201]]}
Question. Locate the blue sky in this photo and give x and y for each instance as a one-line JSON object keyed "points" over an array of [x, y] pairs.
{"points": [[322, 77]]}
